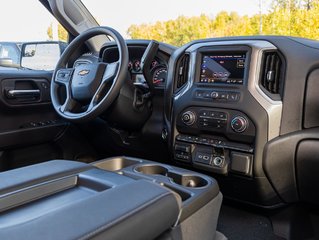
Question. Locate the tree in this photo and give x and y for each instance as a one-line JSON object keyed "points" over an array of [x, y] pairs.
{"points": [[63, 35], [297, 18], [286, 4], [293, 5]]}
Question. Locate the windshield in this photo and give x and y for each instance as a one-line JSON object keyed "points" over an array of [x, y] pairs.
{"points": [[180, 21]]}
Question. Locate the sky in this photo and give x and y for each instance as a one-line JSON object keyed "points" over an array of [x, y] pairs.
{"points": [[28, 20]]}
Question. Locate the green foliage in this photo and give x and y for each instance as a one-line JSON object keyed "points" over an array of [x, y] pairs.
{"points": [[62, 33], [293, 18]]}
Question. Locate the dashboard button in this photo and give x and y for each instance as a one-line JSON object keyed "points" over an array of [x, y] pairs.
{"points": [[212, 114], [203, 113], [222, 116], [234, 97], [207, 95], [199, 94], [224, 96]]}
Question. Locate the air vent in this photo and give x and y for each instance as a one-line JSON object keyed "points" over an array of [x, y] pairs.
{"points": [[182, 72], [272, 74]]}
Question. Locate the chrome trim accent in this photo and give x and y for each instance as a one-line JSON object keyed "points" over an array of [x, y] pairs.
{"points": [[191, 70], [273, 108], [23, 93]]}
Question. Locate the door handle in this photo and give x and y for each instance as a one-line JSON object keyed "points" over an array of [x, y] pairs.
{"points": [[23, 93]]}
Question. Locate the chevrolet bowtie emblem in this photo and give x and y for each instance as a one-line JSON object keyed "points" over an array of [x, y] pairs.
{"points": [[84, 72]]}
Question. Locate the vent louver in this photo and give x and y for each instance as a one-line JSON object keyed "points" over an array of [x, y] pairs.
{"points": [[182, 72], [271, 74]]}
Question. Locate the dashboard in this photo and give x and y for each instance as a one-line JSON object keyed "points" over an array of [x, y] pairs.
{"points": [[242, 109], [158, 68], [232, 107]]}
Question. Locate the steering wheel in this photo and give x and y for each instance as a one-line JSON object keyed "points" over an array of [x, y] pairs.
{"points": [[94, 85]]}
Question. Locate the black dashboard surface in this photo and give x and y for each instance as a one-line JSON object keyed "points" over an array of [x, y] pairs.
{"points": [[268, 177], [256, 133]]}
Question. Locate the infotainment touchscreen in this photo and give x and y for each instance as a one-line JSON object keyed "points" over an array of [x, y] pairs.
{"points": [[227, 68]]}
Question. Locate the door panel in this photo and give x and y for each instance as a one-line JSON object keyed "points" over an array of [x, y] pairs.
{"points": [[25, 102], [30, 129], [27, 119]]}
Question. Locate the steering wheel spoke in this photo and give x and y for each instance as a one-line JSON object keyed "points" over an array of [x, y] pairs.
{"points": [[110, 72], [109, 75], [68, 105], [98, 94], [69, 102]]}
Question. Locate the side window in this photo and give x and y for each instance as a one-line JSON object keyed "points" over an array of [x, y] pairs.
{"points": [[11, 51], [34, 43]]}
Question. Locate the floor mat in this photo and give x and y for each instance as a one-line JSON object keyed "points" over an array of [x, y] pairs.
{"points": [[238, 224]]}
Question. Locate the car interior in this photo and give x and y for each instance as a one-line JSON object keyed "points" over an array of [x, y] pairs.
{"points": [[138, 139]]}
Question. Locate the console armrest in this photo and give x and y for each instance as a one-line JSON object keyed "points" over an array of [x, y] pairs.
{"points": [[82, 206], [32, 175]]}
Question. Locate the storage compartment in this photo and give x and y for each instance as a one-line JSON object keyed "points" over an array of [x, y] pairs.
{"points": [[57, 193], [115, 164], [184, 195], [152, 169], [191, 181], [189, 185], [70, 200], [72, 194]]}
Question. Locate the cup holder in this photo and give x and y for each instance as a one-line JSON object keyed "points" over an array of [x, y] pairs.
{"points": [[152, 170], [115, 164], [191, 181]]}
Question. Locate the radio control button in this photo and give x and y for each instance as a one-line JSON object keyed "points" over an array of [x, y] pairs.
{"points": [[206, 95], [224, 96], [214, 95]]}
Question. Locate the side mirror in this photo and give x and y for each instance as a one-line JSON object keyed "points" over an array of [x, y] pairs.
{"points": [[8, 62], [41, 55]]}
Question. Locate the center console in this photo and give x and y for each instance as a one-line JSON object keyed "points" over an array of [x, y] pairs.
{"points": [[115, 198], [216, 138], [219, 119]]}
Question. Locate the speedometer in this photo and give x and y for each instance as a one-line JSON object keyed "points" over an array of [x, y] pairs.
{"points": [[160, 75]]}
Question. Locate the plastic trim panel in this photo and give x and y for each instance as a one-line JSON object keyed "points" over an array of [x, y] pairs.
{"points": [[273, 108]]}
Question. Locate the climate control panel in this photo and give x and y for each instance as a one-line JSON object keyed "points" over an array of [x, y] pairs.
{"points": [[212, 119], [216, 140], [232, 124]]}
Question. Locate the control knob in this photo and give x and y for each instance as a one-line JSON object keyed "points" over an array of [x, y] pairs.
{"points": [[188, 118], [218, 161], [239, 124], [214, 95]]}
